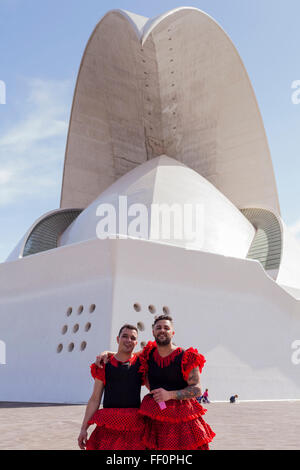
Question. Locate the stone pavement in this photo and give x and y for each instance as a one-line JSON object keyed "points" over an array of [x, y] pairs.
{"points": [[244, 425]]}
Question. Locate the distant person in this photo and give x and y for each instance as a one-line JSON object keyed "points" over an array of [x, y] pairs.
{"points": [[233, 398], [204, 397]]}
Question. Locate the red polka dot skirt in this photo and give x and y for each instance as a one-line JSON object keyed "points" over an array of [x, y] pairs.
{"points": [[117, 429], [178, 427]]}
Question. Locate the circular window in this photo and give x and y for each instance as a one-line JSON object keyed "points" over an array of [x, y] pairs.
{"points": [[87, 326], [64, 329], [92, 308], [166, 310], [152, 309], [83, 346], [140, 326], [80, 309], [137, 307], [69, 311], [71, 347], [75, 328], [59, 348]]}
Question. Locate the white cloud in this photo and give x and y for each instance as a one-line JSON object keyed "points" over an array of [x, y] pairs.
{"points": [[32, 150]]}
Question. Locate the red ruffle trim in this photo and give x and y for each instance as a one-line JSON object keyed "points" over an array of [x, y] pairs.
{"points": [[180, 437], [190, 360], [177, 411], [118, 419], [98, 373], [107, 438], [179, 427], [166, 361], [104, 439], [144, 357], [115, 362]]}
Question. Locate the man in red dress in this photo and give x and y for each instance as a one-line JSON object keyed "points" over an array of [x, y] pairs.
{"points": [[119, 425], [173, 416]]}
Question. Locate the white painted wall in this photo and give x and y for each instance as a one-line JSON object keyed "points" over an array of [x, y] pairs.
{"points": [[289, 270], [229, 309], [36, 293]]}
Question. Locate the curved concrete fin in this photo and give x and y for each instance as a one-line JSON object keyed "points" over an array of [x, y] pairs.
{"points": [[138, 22], [171, 85]]}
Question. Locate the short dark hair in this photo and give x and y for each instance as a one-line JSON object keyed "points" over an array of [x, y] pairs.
{"points": [[162, 317], [130, 327]]}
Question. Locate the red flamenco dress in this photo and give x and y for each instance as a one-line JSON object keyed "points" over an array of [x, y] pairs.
{"points": [[119, 425], [180, 425]]}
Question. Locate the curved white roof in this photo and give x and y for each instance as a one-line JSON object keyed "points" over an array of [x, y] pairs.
{"points": [[171, 85], [165, 182]]}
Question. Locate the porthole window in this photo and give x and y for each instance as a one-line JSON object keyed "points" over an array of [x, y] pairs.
{"points": [[152, 309], [64, 329], [71, 347], [137, 307], [69, 311], [80, 309], [83, 346], [59, 348], [75, 328], [87, 326], [92, 308], [140, 326]]}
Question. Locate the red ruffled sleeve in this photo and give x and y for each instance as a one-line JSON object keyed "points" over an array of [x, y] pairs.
{"points": [[144, 357], [98, 373], [190, 360]]}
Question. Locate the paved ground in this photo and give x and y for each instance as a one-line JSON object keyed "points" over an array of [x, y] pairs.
{"points": [[256, 425]]}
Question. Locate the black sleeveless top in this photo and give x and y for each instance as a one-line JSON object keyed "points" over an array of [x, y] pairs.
{"points": [[122, 384], [168, 377]]}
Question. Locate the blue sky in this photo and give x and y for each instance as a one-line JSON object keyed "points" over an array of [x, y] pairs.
{"points": [[41, 45]]}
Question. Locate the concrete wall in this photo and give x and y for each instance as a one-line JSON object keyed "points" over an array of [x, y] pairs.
{"points": [[289, 271], [36, 293], [179, 89], [229, 309]]}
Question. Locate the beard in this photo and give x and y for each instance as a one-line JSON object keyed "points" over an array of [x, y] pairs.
{"points": [[163, 340]]}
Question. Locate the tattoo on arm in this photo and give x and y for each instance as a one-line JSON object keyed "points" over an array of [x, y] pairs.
{"points": [[189, 392], [193, 389]]}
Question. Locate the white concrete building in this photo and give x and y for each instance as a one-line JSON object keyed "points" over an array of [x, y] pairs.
{"points": [[164, 117]]}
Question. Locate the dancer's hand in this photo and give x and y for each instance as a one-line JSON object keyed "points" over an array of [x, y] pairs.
{"points": [[103, 358], [82, 438], [160, 394]]}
